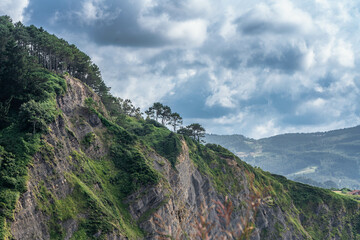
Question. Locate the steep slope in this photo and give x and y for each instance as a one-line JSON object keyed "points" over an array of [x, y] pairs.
{"points": [[66, 196], [329, 159], [79, 188]]}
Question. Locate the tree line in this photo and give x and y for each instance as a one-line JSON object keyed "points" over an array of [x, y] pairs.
{"points": [[162, 113], [27, 52], [37, 46]]}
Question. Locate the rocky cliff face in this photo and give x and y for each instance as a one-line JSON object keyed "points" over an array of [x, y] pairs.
{"points": [[73, 189], [50, 165]]}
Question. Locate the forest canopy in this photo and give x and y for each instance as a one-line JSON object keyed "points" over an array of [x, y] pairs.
{"points": [[27, 57]]}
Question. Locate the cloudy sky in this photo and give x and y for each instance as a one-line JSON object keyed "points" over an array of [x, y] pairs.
{"points": [[256, 68]]}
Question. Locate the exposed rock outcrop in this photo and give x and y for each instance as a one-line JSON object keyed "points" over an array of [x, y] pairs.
{"points": [[173, 206], [50, 166]]}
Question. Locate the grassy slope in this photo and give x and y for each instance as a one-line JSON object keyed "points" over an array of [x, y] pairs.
{"points": [[17, 147], [335, 154], [100, 185], [313, 212]]}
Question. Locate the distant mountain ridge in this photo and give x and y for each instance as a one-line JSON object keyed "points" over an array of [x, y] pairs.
{"points": [[326, 159]]}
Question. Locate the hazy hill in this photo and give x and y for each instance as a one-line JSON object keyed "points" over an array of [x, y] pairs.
{"points": [[329, 158]]}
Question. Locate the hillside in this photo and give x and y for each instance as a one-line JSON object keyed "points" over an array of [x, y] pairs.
{"points": [[73, 166], [327, 159]]}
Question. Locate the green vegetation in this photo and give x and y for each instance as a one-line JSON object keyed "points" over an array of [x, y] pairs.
{"points": [[194, 130], [46, 50], [212, 161], [135, 169], [37, 115], [88, 139], [94, 202], [31, 64], [27, 96], [119, 107], [316, 207], [319, 206], [159, 111], [19, 141], [125, 170], [324, 159], [345, 192], [169, 147], [96, 195]]}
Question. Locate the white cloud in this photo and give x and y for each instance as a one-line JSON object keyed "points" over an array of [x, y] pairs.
{"points": [[279, 17], [265, 129], [185, 74], [344, 87], [344, 53], [309, 59], [193, 31], [92, 10], [149, 92], [199, 6], [13, 8], [312, 106], [228, 87], [228, 29], [231, 119], [133, 77], [189, 33], [277, 65], [222, 96], [302, 45]]}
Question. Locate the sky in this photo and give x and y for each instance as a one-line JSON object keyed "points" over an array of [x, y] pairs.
{"points": [[257, 68]]}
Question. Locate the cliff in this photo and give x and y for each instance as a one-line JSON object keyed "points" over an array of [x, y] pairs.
{"points": [[96, 177], [75, 165]]}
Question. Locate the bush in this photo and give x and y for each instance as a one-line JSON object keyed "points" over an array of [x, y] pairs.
{"points": [[219, 149], [88, 139], [169, 147], [155, 123], [8, 182], [142, 131], [135, 171], [36, 115]]}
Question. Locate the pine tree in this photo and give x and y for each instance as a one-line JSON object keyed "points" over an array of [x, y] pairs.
{"points": [[175, 120]]}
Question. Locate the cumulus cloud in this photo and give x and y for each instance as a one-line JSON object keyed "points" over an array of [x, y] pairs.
{"points": [[289, 58], [139, 23], [281, 18], [257, 67], [186, 33], [96, 10], [13, 8]]}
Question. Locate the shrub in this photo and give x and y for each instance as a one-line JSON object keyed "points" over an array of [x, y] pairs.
{"points": [[135, 170], [169, 147], [88, 139], [36, 115]]}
